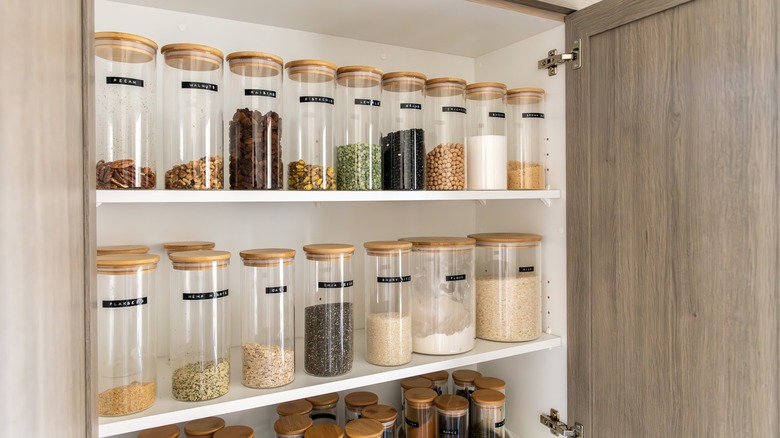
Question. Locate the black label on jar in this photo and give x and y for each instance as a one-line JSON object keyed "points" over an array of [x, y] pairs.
{"points": [[204, 295], [455, 277], [403, 279], [114, 304], [323, 415], [368, 102], [496, 115], [316, 99], [500, 423], [533, 115], [199, 86], [334, 284], [414, 106], [525, 269], [116, 80], [412, 423], [259, 92], [276, 290], [453, 109], [449, 432]]}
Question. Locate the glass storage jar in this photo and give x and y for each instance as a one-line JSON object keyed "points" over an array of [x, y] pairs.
{"points": [[487, 414], [203, 427], [310, 165], [411, 383], [255, 127], [301, 407], [419, 414], [403, 135], [493, 383], [440, 381], [127, 356], [200, 325], [122, 249], [486, 148], [292, 426], [358, 151], [443, 317], [324, 408], [355, 402], [364, 428], [388, 299], [268, 317], [384, 414], [509, 286], [445, 128], [169, 431], [452, 416], [463, 382], [525, 136], [237, 431], [125, 107], [328, 312], [324, 431]]}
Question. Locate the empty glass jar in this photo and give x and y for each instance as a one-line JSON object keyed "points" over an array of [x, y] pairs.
{"points": [[403, 135], [486, 147], [526, 136], [493, 383], [487, 414], [445, 130], [324, 408]]}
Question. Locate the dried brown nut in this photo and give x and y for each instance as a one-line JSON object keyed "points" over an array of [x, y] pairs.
{"points": [[123, 174]]}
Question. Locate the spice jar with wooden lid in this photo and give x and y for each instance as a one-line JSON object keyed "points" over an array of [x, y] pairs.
{"points": [[364, 428], [384, 414], [440, 380], [203, 427], [237, 431], [292, 426], [324, 431], [452, 416], [121, 249], [301, 407], [487, 414], [169, 431], [403, 131], [463, 382], [411, 383], [493, 383], [324, 408], [525, 139], [355, 402], [419, 414], [486, 149], [445, 131]]}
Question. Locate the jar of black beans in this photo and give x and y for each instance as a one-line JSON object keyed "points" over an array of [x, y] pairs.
{"points": [[403, 138]]}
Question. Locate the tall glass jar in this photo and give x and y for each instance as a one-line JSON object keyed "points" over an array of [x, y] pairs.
{"points": [[255, 128], [443, 317], [487, 414], [364, 428], [355, 402], [452, 416], [200, 325], [122, 249], [203, 427], [268, 317], [526, 135], [445, 128], [328, 312], [388, 299], [192, 105], [125, 109], [292, 426], [358, 152], [419, 414], [463, 382], [127, 374], [493, 383], [509, 286], [310, 165], [384, 414], [324, 408], [301, 407], [403, 135], [486, 148], [440, 380]]}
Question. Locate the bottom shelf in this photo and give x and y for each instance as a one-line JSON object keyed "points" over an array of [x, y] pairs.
{"points": [[166, 410]]}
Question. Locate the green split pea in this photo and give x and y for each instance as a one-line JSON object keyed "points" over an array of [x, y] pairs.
{"points": [[359, 167]]}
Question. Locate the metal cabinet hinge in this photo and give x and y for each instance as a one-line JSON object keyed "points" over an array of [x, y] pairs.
{"points": [[554, 59], [559, 428]]}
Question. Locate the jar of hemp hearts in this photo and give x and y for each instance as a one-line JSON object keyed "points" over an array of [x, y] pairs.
{"points": [[200, 328], [445, 131], [525, 137], [125, 107]]}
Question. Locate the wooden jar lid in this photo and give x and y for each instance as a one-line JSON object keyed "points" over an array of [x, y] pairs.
{"points": [[415, 382], [190, 245], [324, 431], [199, 256], [361, 399], [294, 407], [126, 260], [124, 47], [382, 413], [506, 237], [403, 81], [203, 427], [267, 254], [488, 397], [235, 432], [192, 57], [387, 245], [489, 383], [122, 249], [324, 399], [364, 428], [295, 424], [436, 376], [359, 76], [449, 402], [445, 87], [420, 395], [465, 376], [169, 431], [439, 241]]}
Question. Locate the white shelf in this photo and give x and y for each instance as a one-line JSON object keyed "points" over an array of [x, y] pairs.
{"points": [[166, 410]]}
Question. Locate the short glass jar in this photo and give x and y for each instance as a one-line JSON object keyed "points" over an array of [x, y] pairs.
{"points": [[486, 148], [324, 408], [452, 416], [203, 427], [487, 414], [463, 382], [384, 414], [355, 402], [364, 428], [525, 137], [445, 130], [292, 426], [440, 380], [403, 131], [300, 407], [411, 383], [420, 414]]}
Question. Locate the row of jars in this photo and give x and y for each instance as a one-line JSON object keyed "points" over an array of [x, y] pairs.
{"points": [[439, 134]]}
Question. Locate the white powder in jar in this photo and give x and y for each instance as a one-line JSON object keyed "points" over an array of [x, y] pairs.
{"points": [[509, 309], [486, 161], [440, 343]]}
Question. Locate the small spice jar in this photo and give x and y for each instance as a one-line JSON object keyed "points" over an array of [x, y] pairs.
{"points": [[355, 402], [324, 431], [328, 312], [200, 330], [125, 107], [384, 414], [127, 357], [388, 303], [463, 382], [169, 431], [442, 294], [255, 128], [419, 415], [445, 131], [295, 407], [452, 416], [487, 414], [203, 427], [525, 136], [189, 245], [237, 431], [292, 426], [268, 317], [311, 161], [364, 428], [358, 152], [486, 148], [122, 249], [509, 286], [440, 380], [192, 104], [493, 383], [324, 408], [411, 383], [403, 135]]}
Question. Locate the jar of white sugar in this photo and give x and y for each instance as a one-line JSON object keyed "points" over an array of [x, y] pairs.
{"points": [[486, 140]]}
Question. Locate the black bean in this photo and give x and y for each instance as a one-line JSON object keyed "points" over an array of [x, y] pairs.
{"points": [[403, 160]]}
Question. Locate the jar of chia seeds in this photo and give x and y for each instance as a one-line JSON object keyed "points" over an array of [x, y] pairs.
{"points": [[310, 166], [125, 110], [420, 413], [443, 299], [364, 428], [388, 303], [440, 380], [463, 382], [384, 414], [509, 286], [358, 151], [324, 408], [486, 148], [452, 416], [445, 128], [324, 431], [493, 383], [122, 249], [403, 135], [127, 356], [203, 427], [301, 407], [292, 426], [526, 136], [200, 325], [487, 414], [355, 402]]}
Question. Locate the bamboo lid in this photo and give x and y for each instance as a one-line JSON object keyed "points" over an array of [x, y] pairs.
{"points": [[192, 57], [324, 399], [420, 395], [436, 376], [255, 64], [254, 55], [203, 427], [361, 399], [364, 428], [329, 248], [401, 81], [122, 36], [415, 382], [439, 241], [493, 383], [450, 402], [488, 397], [199, 256], [524, 90], [506, 237], [383, 413], [122, 249], [294, 407], [465, 376], [324, 431], [518, 96], [295, 424], [126, 260], [387, 245], [267, 254], [311, 70], [169, 431], [444, 87], [235, 432], [190, 245], [480, 85], [124, 47], [358, 76], [485, 91]]}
